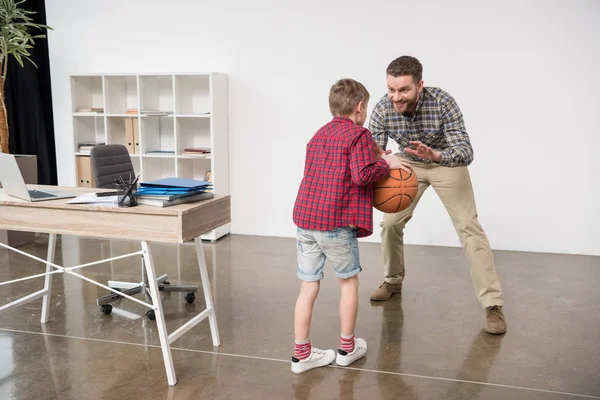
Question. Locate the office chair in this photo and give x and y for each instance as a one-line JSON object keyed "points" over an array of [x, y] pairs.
{"points": [[109, 162]]}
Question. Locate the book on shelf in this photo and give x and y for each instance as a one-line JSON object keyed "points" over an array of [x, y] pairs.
{"points": [[91, 109], [156, 113], [132, 111], [197, 149], [90, 143], [87, 147], [170, 152], [208, 178]]}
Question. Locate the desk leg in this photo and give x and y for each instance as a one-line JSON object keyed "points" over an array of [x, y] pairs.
{"points": [[159, 314], [212, 318], [48, 279]]}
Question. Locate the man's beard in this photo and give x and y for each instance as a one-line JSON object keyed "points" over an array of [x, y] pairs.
{"points": [[410, 106]]}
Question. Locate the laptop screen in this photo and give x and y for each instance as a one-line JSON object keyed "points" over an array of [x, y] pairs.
{"points": [[11, 177]]}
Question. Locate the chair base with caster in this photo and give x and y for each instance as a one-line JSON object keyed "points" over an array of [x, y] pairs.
{"points": [[131, 289]]}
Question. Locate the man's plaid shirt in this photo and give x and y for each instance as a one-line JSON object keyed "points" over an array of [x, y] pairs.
{"points": [[437, 122], [339, 172]]}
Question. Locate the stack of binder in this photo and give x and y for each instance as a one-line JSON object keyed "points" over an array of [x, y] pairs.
{"points": [[171, 191]]}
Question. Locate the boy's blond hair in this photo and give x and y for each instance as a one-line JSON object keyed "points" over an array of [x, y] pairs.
{"points": [[345, 95]]}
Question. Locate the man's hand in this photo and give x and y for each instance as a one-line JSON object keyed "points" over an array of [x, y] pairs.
{"points": [[396, 162], [423, 151]]}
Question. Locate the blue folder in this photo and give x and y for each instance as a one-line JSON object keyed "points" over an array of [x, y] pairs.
{"points": [[162, 191], [177, 183]]}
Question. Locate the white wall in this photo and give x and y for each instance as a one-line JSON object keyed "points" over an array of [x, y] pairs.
{"points": [[525, 74]]}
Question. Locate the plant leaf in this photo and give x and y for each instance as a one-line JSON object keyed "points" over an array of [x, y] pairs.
{"points": [[15, 25], [17, 56]]}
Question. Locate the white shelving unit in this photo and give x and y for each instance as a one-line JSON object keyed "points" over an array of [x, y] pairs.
{"points": [[197, 116]]}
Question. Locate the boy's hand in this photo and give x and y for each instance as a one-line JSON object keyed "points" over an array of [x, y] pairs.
{"points": [[379, 152], [396, 162]]}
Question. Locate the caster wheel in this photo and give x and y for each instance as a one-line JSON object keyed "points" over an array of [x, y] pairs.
{"points": [[106, 309], [150, 314], [190, 297]]}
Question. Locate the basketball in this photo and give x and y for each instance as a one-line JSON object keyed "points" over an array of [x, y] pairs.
{"points": [[396, 192]]}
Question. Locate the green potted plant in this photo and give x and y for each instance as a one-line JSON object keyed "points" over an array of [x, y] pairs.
{"points": [[15, 40]]}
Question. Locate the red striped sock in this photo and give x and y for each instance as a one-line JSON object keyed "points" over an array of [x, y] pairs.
{"points": [[347, 343], [302, 349]]}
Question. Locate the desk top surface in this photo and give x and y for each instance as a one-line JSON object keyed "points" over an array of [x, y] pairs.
{"points": [[177, 224], [179, 209]]}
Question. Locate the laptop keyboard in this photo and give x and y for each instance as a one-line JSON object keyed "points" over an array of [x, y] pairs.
{"points": [[36, 194]]}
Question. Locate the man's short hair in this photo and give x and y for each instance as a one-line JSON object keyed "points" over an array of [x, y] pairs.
{"points": [[406, 65]]}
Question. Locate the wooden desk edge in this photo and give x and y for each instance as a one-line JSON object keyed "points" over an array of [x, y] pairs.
{"points": [[184, 222]]}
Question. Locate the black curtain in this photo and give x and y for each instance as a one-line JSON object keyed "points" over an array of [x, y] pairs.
{"points": [[29, 103]]}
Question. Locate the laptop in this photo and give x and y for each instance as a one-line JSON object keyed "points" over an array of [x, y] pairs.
{"points": [[14, 184]]}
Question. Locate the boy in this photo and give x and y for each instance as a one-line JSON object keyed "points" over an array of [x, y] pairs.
{"points": [[333, 208]]}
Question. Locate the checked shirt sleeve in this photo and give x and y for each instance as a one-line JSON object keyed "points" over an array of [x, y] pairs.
{"points": [[364, 167], [377, 127], [459, 151]]}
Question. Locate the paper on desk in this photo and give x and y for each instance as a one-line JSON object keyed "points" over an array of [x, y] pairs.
{"points": [[91, 198]]}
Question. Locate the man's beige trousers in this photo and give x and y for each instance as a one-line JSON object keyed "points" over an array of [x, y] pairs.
{"points": [[453, 186]]}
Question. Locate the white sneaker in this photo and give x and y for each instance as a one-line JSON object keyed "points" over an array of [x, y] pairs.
{"points": [[317, 358], [360, 349]]}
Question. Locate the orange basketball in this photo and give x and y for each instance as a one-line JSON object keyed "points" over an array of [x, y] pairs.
{"points": [[395, 192]]}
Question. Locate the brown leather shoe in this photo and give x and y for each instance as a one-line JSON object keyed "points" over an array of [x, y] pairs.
{"points": [[385, 291], [494, 320]]}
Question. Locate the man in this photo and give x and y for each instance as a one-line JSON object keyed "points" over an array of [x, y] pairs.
{"points": [[428, 127]]}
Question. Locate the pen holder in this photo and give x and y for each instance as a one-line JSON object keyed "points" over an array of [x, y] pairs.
{"points": [[126, 195]]}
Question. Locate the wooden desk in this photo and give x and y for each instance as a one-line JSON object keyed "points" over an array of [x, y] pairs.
{"points": [[174, 224]]}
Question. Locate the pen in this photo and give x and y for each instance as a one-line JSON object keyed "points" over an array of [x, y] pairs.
{"points": [[106, 194]]}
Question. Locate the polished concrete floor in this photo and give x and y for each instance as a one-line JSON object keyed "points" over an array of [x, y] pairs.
{"points": [[426, 344]]}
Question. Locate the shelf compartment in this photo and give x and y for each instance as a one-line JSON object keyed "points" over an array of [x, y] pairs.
{"points": [[121, 94], [125, 131], [192, 95], [158, 134], [88, 129], [193, 168], [86, 92], [156, 93], [192, 132], [157, 168]]}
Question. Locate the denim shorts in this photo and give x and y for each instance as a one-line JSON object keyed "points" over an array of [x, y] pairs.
{"points": [[339, 246]]}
